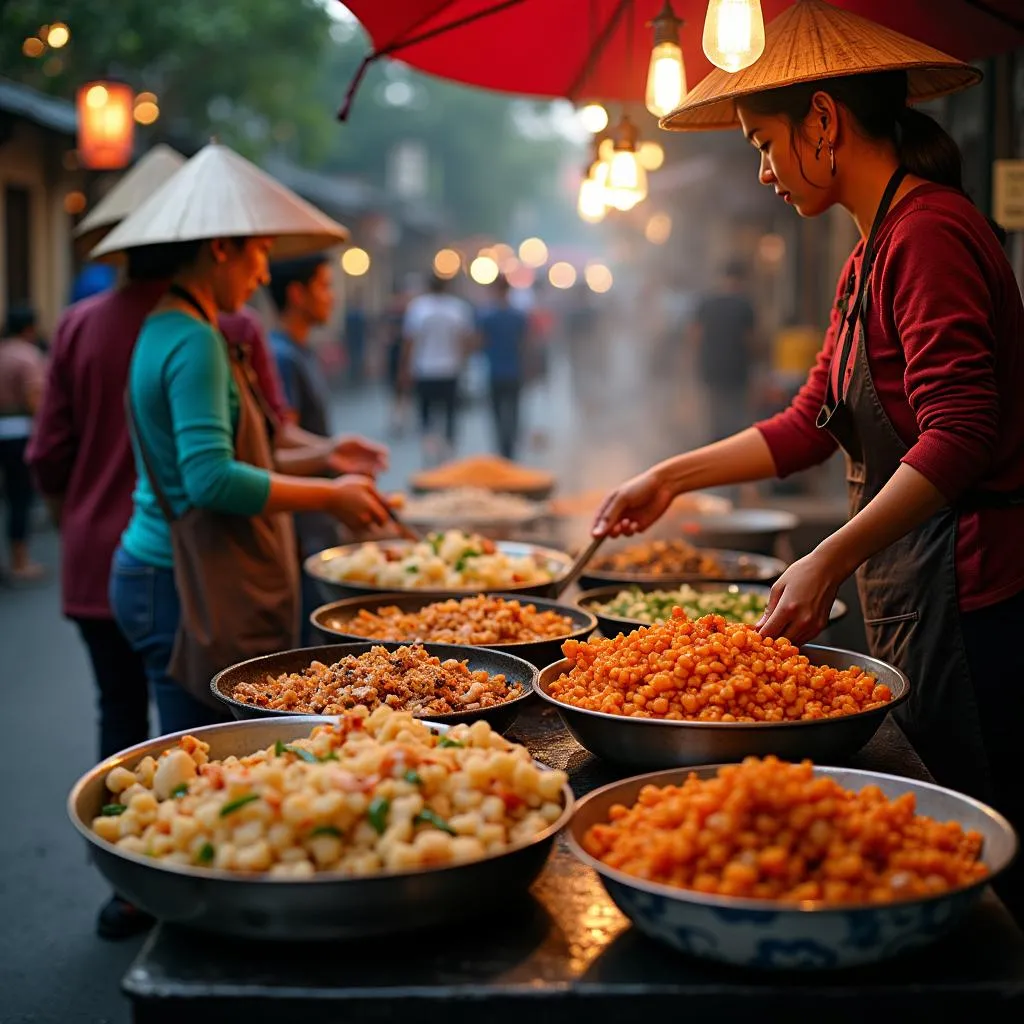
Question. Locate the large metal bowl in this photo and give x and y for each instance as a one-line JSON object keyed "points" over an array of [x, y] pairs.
{"points": [[656, 743], [478, 659], [327, 906], [745, 529], [557, 563], [612, 625], [737, 567], [332, 620], [778, 936]]}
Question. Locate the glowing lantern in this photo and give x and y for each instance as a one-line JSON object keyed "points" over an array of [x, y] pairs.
{"points": [[106, 125]]}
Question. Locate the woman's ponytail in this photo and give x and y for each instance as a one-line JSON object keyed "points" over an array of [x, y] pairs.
{"points": [[927, 150]]}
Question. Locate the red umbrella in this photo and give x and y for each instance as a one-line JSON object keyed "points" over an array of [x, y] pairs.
{"points": [[599, 49]]}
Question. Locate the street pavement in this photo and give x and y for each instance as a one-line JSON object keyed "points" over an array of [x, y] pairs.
{"points": [[593, 426]]}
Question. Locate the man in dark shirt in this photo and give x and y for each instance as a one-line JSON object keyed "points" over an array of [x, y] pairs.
{"points": [[504, 333], [303, 292], [724, 335]]}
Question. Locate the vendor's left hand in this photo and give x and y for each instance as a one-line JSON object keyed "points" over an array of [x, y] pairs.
{"points": [[801, 600], [357, 455]]}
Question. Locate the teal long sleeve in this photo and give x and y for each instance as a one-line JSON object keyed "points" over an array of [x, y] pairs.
{"points": [[185, 404]]}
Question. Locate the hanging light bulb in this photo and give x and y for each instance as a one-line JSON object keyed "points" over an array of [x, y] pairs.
{"points": [[666, 76], [592, 203], [734, 33], [627, 179]]}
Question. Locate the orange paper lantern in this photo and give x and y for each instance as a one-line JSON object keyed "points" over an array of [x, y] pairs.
{"points": [[106, 125]]}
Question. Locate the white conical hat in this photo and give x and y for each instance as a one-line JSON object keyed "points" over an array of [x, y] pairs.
{"points": [[813, 40], [219, 194], [152, 170]]}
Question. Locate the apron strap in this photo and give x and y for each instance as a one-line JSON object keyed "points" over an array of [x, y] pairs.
{"points": [[147, 461], [854, 312]]}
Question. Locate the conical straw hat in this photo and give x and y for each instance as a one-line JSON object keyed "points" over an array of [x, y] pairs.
{"points": [[156, 167], [813, 40], [219, 194]]}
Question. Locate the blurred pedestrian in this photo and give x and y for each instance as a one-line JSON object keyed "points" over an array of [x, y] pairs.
{"points": [[723, 333], [22, 376], [356, 328], [303, 292], [392, 325], [504, 336], [438, 330]]}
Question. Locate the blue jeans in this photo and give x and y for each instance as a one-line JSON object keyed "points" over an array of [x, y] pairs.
{"points": [[145, 603]]}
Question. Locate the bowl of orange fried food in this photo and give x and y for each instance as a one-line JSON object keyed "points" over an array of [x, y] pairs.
{"points": [[709, 691], [790, 866]]}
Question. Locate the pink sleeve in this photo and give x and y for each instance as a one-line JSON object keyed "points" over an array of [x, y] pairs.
{"points": [[933, 280], [54, 443]]}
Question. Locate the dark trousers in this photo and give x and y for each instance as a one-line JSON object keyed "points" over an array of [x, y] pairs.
{"points": [[17, 486], [122, 688], [441, 394], [505, 407], [145, 603], [996, 664]]}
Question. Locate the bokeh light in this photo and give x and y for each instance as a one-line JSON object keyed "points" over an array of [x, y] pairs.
{"points": [[447, 263], [355, 261], [658, 229], [599, 278], [533, 252], [562, 275], [484, 270]]}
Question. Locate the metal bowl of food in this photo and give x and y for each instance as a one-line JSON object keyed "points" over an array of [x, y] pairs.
{"points": [[326, 906], [478, 659], [336, 622], [474, 510], [738, 602], [546, 567], [744, 529], [793, 936], [660, 743], [672, 562]]}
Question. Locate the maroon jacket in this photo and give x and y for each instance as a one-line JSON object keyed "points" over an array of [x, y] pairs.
{"points": [[945, 344], [79, 449]]}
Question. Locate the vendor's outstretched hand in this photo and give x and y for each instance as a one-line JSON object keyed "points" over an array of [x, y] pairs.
{"points": [[801, 600], [633, 506], [358, 455]]}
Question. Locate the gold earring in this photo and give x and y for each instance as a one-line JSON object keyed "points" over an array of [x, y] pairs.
{"points": [[832, 159], [817, 151]]}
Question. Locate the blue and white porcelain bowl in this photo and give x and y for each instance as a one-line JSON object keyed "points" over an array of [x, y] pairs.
{"points": [[767, 934]]}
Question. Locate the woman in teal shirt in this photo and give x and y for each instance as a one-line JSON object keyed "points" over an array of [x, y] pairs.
{"points": [[189, 418]]}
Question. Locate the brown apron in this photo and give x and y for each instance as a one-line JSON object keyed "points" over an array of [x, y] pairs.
{"points": [[237, 576], [908, 591]]}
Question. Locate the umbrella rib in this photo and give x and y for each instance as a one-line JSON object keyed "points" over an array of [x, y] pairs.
{"points": [[596, 51], [370, 58], [1006, 19]]}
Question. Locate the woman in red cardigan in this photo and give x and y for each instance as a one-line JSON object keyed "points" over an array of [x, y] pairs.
{"points": [[919, 382]]}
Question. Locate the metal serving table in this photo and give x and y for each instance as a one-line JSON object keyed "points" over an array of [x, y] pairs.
{"points": [[566, 953]]}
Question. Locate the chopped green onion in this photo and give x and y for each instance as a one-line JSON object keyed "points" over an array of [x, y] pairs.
{"points": [[306, 755], [326, 830], [413, 776], [436, 540], [233, 805], [279, 749], [206, 853], [378, 814], [465, 557], [412, 569], [332, 756], [446, 742], [428, 817], [113, 810], [180, 790]]}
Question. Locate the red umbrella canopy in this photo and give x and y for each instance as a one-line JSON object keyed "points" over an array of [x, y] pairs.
{"points": [[599, 49]]}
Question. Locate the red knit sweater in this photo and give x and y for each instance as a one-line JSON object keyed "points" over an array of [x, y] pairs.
{"points": [[945, 344]]}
